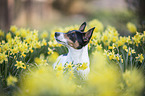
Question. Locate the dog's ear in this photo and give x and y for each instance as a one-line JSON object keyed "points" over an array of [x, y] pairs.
{"points": [[87, 36], [82, 27]]}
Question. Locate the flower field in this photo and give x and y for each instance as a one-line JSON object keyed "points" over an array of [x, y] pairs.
{"points": [[116, 63]]}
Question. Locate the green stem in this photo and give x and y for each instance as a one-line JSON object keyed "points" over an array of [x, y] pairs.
{"points": [[0, 70], [126, 61], [6, 69], [123, 64], [120, 65], [131, 61]]}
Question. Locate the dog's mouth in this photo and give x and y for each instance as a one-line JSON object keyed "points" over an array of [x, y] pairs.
{"points": [[59, 41], [59, 37]]}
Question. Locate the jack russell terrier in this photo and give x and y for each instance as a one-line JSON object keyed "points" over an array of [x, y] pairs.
{"points": [[77, 43]]}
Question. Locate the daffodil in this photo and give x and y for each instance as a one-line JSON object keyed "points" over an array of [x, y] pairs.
{"points": [[44, 42], [120, 43], [115, 33], [50, 43], [126, 75], [23, 32], [13, 28], [137, 38], [123, 39], [41, 60], [69, 66], [17, 33], [3, 42], [99, 47], [124, 47], [131, 77], [8, 36], [117, 58], [107, 43], [50, 51], [114, 39], [5, 47], [1, 33], [111, 56], [59, 67], [131, 27], [37, 60], [140, 57], [110, 47], [104, 37], [30, 49], [82, 66], [14, 50], [55, 44], [52, 57], [90, 41], [128, 40], [44, 35], [20, 64], [95, 42], [24, 55], [130, 51], [38, 45], [11, 80], [3, 57], [71, 74], [89, 46]]}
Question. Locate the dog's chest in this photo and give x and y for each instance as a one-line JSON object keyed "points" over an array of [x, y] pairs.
{"points": [[84, 59], [62, 59], [75, 56]]}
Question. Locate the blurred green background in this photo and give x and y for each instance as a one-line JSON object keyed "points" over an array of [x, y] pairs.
{"points": [[46, 14]]}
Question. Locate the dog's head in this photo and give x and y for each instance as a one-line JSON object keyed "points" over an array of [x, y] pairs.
{"points": [[75, 38]]}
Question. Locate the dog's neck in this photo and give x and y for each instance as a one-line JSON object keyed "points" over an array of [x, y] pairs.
{"points": [[78, 55]]}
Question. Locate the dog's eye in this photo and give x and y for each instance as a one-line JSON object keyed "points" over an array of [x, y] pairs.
{"points": [[73, 34]]}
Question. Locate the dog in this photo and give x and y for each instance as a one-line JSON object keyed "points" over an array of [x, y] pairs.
{"points": [[77, 43]]}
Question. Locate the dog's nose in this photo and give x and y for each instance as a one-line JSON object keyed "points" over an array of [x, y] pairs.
{"points": [[57, 34]]}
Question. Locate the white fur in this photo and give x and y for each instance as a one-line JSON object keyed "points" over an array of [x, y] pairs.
{"points": [[74, 55]]}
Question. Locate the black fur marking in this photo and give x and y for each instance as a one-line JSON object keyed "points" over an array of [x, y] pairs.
{"points": [[77, 35], [72, 36], [64, 55]]}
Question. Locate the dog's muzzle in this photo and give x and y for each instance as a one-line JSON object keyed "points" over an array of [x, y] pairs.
{"points": [[59, 37], [57, 34]]}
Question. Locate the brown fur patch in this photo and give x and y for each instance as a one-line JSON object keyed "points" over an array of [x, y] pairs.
{"points": [[71, 43]]}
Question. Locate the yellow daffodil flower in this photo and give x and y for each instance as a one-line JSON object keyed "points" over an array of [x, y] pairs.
{"points": [[11, 80]]}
